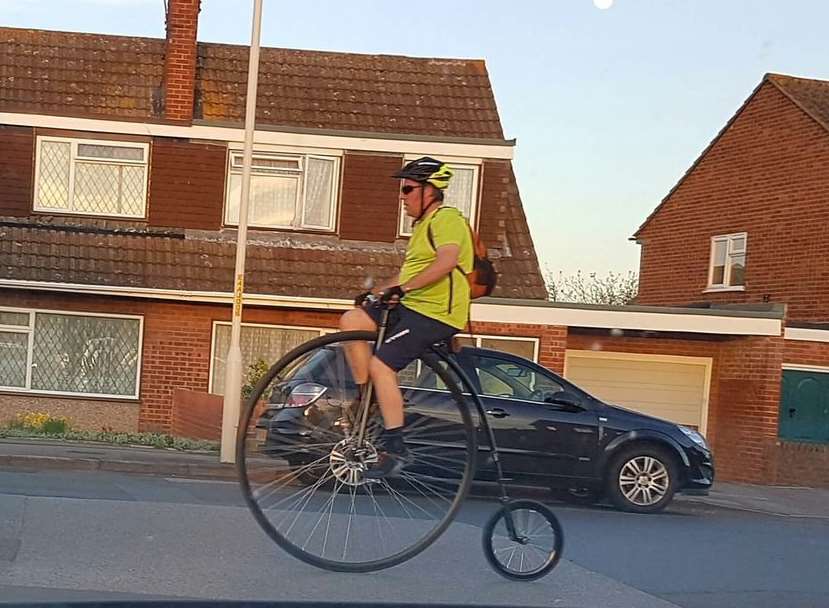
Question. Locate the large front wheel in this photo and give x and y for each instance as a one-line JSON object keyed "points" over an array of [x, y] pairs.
{"points": [[301, 459]]}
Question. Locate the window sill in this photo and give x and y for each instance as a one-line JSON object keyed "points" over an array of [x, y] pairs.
{"points": [[22, 392], [254, 228], [724, 289]]}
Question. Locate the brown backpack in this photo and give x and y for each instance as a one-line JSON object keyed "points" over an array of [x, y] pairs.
{"points": [[483, 277]]}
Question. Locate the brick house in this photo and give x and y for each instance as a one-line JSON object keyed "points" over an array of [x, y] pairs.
{"points": [[746, 225], [119, 183], [119, 189]]}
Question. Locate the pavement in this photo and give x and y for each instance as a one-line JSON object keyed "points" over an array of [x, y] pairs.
{"points": [[47, 454], [40, 454]]}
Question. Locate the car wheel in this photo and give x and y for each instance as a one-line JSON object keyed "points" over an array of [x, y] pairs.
{"points": [[642, 479]]}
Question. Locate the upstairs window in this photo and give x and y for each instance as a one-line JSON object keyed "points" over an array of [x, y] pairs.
{"points": [[91, 177], [728, 261], [287, 191]]}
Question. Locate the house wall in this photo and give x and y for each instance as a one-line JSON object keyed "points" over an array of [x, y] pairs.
{"points": [[187, 184], [767, 176], [16, 170], [370, 205]]}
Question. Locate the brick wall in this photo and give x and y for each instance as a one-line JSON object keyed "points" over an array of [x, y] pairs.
{"points": [[370, 200], [83, 414], [749, 401], [806, 353], [17, 145], [180, 59], [765, 176], [177, 340], [805, 464], [187, 184]]}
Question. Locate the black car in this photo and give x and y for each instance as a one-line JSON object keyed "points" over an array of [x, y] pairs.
{"points": [[549, 432]]}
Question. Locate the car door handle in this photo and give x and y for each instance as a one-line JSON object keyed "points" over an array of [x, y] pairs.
{"points": [[497, 412]]}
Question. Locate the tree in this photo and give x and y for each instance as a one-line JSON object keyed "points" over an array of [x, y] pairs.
{"points": [[615, 289]]}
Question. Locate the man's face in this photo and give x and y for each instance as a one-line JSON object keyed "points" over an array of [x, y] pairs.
{"points": [[416, 197]]}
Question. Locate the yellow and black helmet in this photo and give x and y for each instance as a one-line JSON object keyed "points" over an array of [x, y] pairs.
{"points": [[427, 170]]}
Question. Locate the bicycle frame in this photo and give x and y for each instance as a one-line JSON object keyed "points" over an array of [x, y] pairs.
{"points": [[467, 388]]}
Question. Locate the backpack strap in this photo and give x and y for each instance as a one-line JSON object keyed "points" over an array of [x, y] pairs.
{"points": [[457, 266], [432, 239]]}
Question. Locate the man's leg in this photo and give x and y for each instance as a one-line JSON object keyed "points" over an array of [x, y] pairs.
{"points": [[393, 453], [358, 354], [388, 393]]}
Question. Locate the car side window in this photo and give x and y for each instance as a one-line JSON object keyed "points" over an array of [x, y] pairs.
{"points": [[500, 378]]}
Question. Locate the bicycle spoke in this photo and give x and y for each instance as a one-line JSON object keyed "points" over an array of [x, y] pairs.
{"points": [[305, 479]]}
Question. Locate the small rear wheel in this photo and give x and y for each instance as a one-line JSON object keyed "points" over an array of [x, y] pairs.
{"points": [[532, 549]]}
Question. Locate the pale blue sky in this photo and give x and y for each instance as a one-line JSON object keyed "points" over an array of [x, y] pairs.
{"points": [[609, 107]]}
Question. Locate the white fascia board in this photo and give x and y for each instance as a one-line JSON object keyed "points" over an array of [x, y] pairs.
{"points": [[631, 320], [492, 313], [181, 295], [232, 134], [807, 335]]}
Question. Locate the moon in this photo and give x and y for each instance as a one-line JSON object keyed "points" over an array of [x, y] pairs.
{"points": [[603, 4]]}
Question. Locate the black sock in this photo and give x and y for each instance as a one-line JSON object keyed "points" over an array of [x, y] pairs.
{"points": [[393, 440], [361, 390]]}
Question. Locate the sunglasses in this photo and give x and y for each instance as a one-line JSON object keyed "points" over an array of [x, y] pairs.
{"points": [[409, 189]]}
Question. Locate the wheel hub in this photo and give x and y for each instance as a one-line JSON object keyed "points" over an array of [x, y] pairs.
{"points": [[348, 462]]}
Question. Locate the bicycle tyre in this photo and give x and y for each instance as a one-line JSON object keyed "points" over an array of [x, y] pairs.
{"points": [[462, 429], [523, 512]]}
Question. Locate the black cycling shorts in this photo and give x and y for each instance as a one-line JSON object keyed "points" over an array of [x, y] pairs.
{"points": [[408, 336]]}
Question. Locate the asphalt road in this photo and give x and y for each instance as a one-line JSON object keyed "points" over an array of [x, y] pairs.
{"points": [[96, 535]]}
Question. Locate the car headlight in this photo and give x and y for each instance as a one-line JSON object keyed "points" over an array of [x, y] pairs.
{"points": [[694, 436]]}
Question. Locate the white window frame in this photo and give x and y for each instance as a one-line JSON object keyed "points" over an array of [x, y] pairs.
{"points": [[477, 338], [289, 153], [73, 157], [214, 334], [33, 312], [728, 239], [465, 163]]}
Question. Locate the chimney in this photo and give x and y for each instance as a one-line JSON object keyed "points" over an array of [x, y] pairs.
{"points": [[180, 59]]}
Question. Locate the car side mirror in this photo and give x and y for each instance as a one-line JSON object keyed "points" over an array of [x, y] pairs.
{"points": [[567, 400]]}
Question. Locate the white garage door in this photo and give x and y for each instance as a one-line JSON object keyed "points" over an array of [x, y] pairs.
{"points": [[672, 388]]}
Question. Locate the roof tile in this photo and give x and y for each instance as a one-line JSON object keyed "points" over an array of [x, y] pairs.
{"points": [[120, 76]]}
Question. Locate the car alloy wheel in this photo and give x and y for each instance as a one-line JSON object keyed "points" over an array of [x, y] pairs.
{"points": [[644, 480]]}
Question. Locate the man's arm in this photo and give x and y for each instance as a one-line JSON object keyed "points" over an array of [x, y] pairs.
{"points": [[445, 262], [390, 283]]}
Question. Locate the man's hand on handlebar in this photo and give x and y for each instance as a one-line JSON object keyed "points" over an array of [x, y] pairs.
{"points": [[392, 295], [389, 296]]}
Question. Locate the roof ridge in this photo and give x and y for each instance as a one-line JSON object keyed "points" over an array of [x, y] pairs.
{"points": [[791, 77], [475, 60], [4, 28], [470, 60]]}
